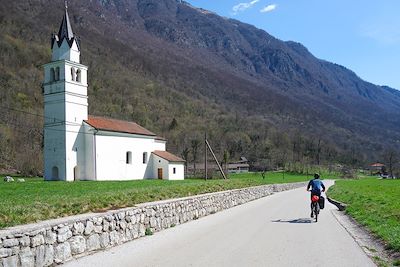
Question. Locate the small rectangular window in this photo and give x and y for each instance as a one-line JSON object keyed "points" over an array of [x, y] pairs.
{"points": [[128, 157], [174, 170], [144, 157]]}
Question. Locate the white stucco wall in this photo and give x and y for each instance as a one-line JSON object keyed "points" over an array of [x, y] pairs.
{"points": [[82, 84], [111, 149], [89, 172], [54, 129], [65, 78], [179, 171], [101, 155], [75, 152], [65, 108], [159, 162], [65, 52], [168, 169], [160, 145], [54, 152]]}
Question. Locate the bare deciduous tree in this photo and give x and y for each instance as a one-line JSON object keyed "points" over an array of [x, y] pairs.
{"points": [[391, 158]]}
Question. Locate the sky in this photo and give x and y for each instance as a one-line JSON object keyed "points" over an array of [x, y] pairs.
{"points": [[362, 35]]}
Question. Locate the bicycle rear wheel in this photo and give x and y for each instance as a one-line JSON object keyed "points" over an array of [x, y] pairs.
{"points": [[316, 211]]}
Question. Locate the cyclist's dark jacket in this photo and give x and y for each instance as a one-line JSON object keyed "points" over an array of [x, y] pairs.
{"points": [[316, 185]]}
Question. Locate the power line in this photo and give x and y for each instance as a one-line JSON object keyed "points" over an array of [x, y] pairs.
{"points": [[29, 113], [55, 120], [47, 129], [42, 116], [50, 118], [18, 130]]}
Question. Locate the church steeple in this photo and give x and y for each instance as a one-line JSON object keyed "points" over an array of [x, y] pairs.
{"points": [[65, 28], [71, 48], [65, 106]]}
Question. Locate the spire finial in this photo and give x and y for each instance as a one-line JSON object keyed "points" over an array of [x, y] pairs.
{"points": [[66, 4]]}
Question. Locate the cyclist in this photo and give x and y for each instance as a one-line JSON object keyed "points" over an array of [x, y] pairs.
{"points": [[316, 186]]}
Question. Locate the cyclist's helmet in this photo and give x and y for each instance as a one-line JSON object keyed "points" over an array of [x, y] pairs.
{"points": [[315, 198], [316, 175]]}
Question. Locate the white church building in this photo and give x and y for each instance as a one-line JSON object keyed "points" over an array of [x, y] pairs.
{"points": [[82, 147]]}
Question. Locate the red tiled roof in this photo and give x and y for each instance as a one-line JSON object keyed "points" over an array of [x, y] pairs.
{"points": [[113, 125], [168, 156], [377, 165]]}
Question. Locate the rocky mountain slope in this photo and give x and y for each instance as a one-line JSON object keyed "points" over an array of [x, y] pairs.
{"points": [[180, 70]]}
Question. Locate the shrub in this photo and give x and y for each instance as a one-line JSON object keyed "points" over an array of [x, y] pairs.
{"points": [[148, 231]]}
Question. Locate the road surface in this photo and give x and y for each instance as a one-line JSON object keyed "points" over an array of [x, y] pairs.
{"points": [[272, 231]]}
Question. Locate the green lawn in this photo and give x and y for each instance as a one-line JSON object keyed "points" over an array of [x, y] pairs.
{"points": [[36, 200], [375, 204]]}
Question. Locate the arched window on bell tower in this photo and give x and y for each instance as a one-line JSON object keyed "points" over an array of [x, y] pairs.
{"points": [[78, 76], [73, 74], [57, 74], [52, 75]]}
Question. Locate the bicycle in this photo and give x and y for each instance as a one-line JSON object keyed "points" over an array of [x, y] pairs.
{"points": [[315, 208]]}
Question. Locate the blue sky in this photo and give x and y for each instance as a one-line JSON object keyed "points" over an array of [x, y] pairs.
{"points": [[362, 35]]}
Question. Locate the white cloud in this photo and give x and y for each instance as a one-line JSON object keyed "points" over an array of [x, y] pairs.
{"points": [[243, 6], [268, 8], [386, 33]]}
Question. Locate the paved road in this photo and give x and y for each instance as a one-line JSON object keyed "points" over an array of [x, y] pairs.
{"points": [[273, 231]]}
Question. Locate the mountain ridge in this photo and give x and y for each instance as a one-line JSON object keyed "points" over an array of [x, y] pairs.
{"points": [[153, 61]]}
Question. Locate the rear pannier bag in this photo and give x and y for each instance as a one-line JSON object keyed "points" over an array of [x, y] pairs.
{"points": [[321, 202]]}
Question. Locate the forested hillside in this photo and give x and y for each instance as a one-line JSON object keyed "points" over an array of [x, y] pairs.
{"points": [[181, 71]]}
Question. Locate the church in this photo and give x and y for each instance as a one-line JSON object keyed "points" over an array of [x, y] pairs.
{"points": [[78, 146]]}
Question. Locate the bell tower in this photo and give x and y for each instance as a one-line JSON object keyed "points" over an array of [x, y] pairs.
{"points": [[65, 106]]}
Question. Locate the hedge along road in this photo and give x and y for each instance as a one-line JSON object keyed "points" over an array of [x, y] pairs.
{"points": [[272, 231]]}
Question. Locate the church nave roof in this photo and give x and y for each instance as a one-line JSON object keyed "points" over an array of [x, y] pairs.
{"points": [[168, 156], [113, 125]]}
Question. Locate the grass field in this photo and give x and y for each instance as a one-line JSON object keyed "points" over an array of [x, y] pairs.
{"points": [[36, 200], [373, 203]]}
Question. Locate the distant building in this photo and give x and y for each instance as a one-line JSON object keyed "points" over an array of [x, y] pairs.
{"points": [[82, 147], [239, 166], [377, 168], [377, 165]]}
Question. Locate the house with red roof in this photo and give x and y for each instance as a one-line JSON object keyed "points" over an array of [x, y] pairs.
{"points": [[82, 147]]}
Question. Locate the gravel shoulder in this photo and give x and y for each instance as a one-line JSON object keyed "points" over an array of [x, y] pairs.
{"points": [[371, 245]]}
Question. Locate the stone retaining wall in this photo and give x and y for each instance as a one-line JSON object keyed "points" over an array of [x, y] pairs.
{"points": [[56, 241]]}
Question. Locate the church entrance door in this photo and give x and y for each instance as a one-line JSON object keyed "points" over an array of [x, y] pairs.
{"points": [[160, 173], [54, 173], [75, 173]]}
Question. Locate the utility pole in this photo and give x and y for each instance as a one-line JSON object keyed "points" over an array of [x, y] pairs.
{"points": [[205, 155], [215, 158]]}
